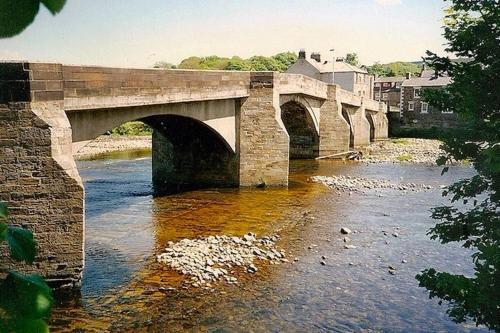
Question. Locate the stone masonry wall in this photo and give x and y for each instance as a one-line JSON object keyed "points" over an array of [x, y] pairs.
{"points": [[38, 176], [360, 125], [263, 141], [334, 130]]}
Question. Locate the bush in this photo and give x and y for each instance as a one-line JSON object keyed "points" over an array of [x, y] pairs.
{"points": [[132, 128]]}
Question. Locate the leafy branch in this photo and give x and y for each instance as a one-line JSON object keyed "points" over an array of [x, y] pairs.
{"points": [[25, 300]]}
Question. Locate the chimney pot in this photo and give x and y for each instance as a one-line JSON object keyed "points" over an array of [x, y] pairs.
{"points": [[302, 54], [316, 56], [408, 75]]}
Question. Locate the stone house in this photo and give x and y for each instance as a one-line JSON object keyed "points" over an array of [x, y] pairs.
{"points": [[415, 111], [388, 90], [347, 76]]}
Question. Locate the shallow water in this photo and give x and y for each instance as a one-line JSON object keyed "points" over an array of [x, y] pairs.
{"points": [[354, 292]]}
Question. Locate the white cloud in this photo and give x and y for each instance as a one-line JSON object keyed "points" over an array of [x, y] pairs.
{"points": [[388, 2]]}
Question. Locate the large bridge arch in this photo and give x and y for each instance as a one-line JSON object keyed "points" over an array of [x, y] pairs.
{"points": [[219, 115]]}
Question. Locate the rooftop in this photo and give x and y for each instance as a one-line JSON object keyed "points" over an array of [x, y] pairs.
{"points": [[427, 81], [390, 79], [340, 66]]}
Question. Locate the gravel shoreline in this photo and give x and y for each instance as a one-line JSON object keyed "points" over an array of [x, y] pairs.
{"points": [[211, 259], [404, 151], [111, 143]]}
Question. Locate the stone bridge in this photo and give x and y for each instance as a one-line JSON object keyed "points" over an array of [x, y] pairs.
{"points": [[210, 128]]}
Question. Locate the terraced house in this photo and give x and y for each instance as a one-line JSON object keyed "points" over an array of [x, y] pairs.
{"points": [[415, 111]]}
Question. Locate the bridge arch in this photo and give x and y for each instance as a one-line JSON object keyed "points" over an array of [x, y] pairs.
{"points": [[193, 143], [219, 115], [302, 125], [372, 126]]}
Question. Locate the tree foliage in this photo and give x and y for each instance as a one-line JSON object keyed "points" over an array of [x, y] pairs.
{"points": [[279, 62], [16, 15], [25, 300], [398, 68], [472, 28], [352, 59]]}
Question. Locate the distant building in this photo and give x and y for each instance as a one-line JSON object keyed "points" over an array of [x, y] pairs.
{"points": [[415, 111], [388, 90], [347, 76]]}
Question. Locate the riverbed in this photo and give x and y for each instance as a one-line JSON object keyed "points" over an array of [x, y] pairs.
{"points": [[325, 287]]}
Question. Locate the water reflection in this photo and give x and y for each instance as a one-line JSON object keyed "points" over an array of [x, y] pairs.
{"points": [[126, 227]]}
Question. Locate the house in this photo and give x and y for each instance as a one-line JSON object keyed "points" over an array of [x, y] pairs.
{"points": [[388, 90], [415, 111], [349, 77]]}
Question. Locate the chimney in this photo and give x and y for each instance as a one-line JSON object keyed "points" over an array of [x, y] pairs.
{"points": [[302, 54], [316, 56], [408, 75]]}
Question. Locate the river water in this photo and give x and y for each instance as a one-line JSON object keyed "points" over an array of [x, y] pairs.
{"points": [[126, 228]]}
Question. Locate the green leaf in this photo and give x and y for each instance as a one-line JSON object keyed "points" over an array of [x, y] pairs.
{"points": [[16, 15], [21, 244], [30, 326], [4, 211], [3, 231], [54, 6], [25, 296]]}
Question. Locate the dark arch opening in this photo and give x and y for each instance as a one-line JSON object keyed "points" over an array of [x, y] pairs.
{"points": [[372, 127], [345, 114], [187, 154], [304, 139]]}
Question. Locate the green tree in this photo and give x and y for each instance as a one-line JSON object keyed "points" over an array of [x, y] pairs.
{"points": [[398, 68], [25, 300], [285, 60], [16, 15], [261, 63], [472, 30], [238, 64], [378, 70], [352, 59]]}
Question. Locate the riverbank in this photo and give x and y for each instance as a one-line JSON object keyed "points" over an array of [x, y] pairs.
{"points": [[112, 143], [405, 151]]}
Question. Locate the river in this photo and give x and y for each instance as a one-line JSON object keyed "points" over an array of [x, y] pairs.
{"points": [[123, 286]]}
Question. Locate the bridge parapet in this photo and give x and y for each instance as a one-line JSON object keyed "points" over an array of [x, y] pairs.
{"points": [[297, 84], [102, 87]]}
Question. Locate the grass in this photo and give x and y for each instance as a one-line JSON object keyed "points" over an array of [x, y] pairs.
{"points": [[404, 158], [400, 141]]}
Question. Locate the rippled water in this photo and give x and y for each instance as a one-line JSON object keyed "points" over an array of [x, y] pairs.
{"points": [[126, 227]]}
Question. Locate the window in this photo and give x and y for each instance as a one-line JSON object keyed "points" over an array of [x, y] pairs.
{"points": [[448, 111], [411, 106], [385, 96], [424, 107], [398, 85], [416, 92], [377, 95], [387, 85], [377, 84]]}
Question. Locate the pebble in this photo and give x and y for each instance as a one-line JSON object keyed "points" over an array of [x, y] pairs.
{"points": [[206, 260], [345, 231], [347, 239], [359, 184], [349, 246], [323, 263]]}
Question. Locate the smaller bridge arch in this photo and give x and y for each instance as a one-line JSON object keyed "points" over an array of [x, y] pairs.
{"points": [[301, 120]]}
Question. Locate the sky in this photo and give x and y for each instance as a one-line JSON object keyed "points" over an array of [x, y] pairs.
{"points": [[125, 33]]}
